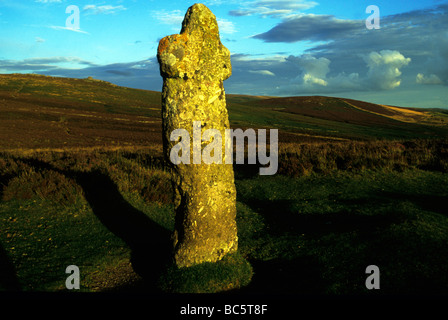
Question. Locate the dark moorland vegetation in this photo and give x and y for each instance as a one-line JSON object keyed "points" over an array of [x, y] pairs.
{"points": [[83, 182]]}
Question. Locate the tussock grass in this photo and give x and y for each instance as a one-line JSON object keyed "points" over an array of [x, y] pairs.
{"points": [[84, 183], [231, 273], [356, 156], [300, 231]]}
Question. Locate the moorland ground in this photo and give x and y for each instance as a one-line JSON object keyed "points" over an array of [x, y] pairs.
{"points": [[83, 182]]}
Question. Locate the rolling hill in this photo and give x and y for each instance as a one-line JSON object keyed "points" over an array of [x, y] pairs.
{"points": [[39, 111], [349, 118], [369, 194]]}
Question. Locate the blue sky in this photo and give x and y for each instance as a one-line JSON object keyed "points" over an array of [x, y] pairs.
{"points": [[278, 47]]}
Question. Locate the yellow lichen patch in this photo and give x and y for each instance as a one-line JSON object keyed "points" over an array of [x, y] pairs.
{"points": [[171, 42], [194, 65], [163, 44], [182, 37]]}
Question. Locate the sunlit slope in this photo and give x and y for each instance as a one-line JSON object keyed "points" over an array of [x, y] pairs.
{"points": [[51, 112], [347, 118]]}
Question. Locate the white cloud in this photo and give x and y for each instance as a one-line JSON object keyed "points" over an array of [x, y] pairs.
{"points": [[39, 39], [174, 17], [226, 26], [383, 72], [48, 1], [309, 79], [69, 29], [344, 82], [263, 72], [273, 8], [263, 59], [431, 79], [43, 64], [315, 70], [56, 60], [106, 9], [286, 4], [384, 68]]}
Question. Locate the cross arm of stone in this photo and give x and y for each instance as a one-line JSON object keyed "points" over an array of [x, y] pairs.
{"points": [[197, 51]]}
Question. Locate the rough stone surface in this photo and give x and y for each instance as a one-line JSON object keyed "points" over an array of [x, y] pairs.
{"points": [[193, 65]]}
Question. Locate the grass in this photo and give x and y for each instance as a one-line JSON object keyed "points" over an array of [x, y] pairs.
{"points": [[338, 118], [82, 94], [42, 238], [297, 160], [50, 214], [339, 224], [59, 113], [82, 182], [108, 213], [232, 272]]}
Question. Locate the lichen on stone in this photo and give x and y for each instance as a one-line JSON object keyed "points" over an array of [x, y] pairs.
{"points": [[194, 65]]}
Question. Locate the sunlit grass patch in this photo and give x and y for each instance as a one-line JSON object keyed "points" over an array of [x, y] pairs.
{"points": [[230, 273]]}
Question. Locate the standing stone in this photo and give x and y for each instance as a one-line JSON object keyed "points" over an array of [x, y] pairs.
{"points": [[193, 65]]}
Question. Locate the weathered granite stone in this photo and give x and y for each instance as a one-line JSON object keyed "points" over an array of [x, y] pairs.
{"points": [[193, 65]]}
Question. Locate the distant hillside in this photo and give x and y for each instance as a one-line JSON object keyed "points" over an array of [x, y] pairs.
{"points": [[39, 111], [352, 111], [352, 119], [49, 112]]}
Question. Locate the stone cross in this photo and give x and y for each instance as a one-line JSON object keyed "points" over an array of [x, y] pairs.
{"points": [[194, 65]]}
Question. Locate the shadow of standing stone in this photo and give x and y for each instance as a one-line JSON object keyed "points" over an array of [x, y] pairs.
{"points": [[149, 242]]}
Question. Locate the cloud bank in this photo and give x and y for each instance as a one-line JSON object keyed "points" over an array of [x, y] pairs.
{"points": [[407, 57], [383, 72], [431, 79], [384, 69], [310, 27], [408, 52], [92, 9], [175, 18], [272, 8]]}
